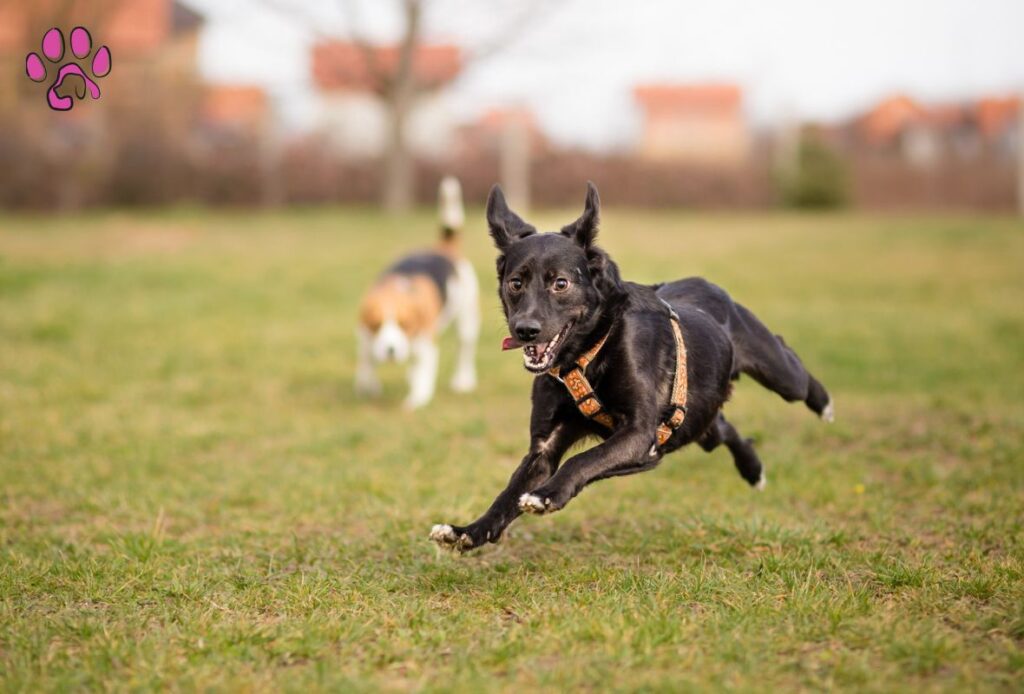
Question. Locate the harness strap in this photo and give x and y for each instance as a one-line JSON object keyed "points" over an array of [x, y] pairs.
{"points": [[679, 386], [580, 389], [590, 406]]}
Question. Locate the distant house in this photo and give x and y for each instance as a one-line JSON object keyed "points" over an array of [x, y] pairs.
{"points": [[351, 113], [924, 134], [235, 110], [698, 124], [502, 127], [999, 122]]}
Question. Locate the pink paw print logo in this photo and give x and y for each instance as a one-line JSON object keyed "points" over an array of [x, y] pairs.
{"points": [[80, 43]]}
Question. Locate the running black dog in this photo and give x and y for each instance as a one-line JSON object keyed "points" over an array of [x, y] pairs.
{"points": [[646, 368]]}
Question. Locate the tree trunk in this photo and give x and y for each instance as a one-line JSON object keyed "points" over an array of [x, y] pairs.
{"points": [[399, 174], [399, 177]]}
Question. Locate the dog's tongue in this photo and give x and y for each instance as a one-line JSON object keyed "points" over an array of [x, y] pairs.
{"points": [[510, 343]]}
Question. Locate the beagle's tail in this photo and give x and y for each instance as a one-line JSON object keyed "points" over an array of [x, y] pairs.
{"points": [[449, 204]]}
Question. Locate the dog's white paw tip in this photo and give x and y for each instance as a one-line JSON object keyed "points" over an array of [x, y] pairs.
{"points": [[531, 503], [442, 533], [828, 414], [445, 536], [463, 385], [761, 483]]}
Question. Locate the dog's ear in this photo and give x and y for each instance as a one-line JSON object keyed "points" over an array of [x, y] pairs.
{"points": [[604, 273], [506, 226], [584, 230]]}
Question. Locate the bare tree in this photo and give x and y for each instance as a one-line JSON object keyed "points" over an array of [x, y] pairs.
{"points": [[400, 96], [398, 84]]}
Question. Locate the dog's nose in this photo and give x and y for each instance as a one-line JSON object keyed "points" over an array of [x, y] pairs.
{"points": [[527, 330]]}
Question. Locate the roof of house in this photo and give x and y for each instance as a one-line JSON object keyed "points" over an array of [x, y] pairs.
{"points": [[234, 105], [498, 118], [889, 118], [893, 115], [343, 65], [130, 27], [486, 131], [675, 98], [996, 114]]}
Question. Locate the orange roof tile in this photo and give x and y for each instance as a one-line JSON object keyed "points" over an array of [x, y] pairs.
{"points": [[996, 114], [344, 65], [888, 118], [725, 98], [234, 105]]}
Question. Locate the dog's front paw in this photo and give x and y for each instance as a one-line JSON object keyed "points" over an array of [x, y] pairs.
{"points": [[368, 387], [531, 503], [447, 537], [463, 382], [415, 402], [828, 414]]}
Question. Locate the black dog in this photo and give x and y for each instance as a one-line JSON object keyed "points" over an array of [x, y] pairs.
{"points": [[562, 297]]}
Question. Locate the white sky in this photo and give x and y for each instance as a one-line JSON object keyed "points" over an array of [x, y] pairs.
{"points": [[575, 63]]}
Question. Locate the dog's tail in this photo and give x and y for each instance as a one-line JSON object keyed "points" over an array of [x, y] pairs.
{"points": [[449, 204]]}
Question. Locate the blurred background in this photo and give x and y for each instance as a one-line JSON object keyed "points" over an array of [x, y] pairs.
{"points": [[738, 104]]}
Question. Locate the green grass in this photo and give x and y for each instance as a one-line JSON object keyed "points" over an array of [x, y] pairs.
{"points": [[191, 496]]}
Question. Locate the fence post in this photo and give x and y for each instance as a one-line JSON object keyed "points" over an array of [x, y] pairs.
{"points": [[514, 162], [1020, 154]]}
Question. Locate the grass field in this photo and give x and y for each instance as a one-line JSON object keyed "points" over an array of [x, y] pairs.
{"points": [[192, 496]]}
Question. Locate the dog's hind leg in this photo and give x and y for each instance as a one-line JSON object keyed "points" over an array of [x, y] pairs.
{"points": [[768, 360], [743, 453]]}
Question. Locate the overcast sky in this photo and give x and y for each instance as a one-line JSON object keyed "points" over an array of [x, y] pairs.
{"points": [[574, 61]]}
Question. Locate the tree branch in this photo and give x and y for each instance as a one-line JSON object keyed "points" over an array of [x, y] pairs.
{"points": [[380, 77], [514, 30], [369, 51]]}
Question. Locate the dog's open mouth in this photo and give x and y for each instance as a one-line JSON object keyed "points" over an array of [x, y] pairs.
{"points": [[538, 357]]}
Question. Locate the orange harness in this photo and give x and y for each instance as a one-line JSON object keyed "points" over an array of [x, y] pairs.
{"points": [[590, 406]]}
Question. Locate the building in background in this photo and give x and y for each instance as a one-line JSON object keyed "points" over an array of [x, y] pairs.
{"points": [[350, 81], [512, 136], [232, 110], [488, 133], [926, 135], [695, 124]]}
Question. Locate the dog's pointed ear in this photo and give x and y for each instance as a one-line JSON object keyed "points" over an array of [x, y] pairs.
{"points": [[584, 230], [506, 226]]}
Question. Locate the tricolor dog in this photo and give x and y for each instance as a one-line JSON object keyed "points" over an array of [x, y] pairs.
{"points": [[646, 369], [412, 302]]}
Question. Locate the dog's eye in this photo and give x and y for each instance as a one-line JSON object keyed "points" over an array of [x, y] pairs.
{"points": [[561, 284], [515, 284]]}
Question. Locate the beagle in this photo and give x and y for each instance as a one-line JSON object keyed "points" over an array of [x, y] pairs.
{"points": [[410, 305]]}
